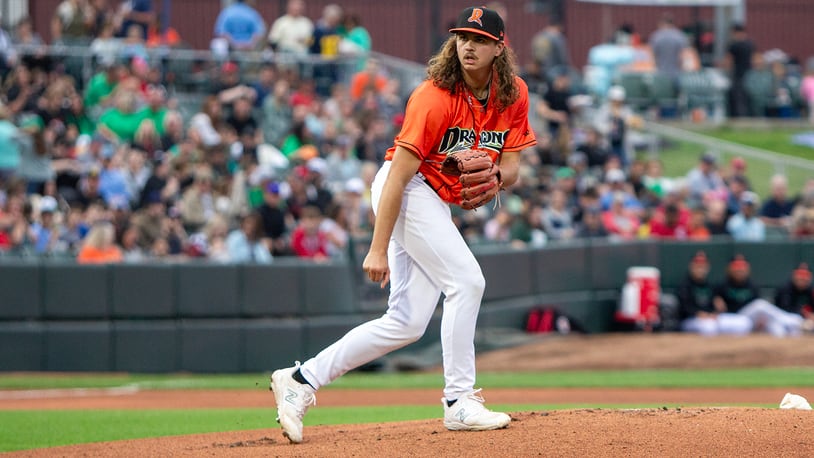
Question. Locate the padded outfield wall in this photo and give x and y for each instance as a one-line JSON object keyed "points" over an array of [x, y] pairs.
{"points": [[59, 316]]}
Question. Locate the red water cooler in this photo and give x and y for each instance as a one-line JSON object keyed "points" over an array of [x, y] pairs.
{"points": [[640, 297]]}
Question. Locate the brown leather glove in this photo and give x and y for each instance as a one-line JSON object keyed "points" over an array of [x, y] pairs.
{"points": [[477, 173]]}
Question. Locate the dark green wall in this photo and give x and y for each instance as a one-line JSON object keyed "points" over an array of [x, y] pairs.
{"points": [[231, 318]]}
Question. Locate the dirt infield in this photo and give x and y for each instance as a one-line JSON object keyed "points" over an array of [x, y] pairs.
{"points": [[695, 429]]}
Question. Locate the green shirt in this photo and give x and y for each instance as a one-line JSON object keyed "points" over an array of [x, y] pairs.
{"points": [[98, 88], [9, 146], [156, 116], [124, 125]]}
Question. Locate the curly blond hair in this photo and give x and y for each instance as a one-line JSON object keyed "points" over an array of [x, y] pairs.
{"points": [[444, 69]]}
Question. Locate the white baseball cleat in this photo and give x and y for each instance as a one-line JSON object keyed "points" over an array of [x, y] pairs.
{"points": [[293, 399], [469, 414]]}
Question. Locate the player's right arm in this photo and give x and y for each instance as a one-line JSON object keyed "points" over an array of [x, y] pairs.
{"points": [[403, 168]]}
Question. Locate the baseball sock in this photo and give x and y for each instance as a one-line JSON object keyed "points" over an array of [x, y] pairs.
{"points": [[297, 376], [449, 403]]}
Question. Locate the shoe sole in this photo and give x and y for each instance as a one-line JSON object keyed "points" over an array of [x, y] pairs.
{"points": [[278, 402], [457, 426]]}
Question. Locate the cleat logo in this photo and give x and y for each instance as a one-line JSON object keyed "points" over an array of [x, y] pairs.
{"points": [[290, 396], [461, 415]]}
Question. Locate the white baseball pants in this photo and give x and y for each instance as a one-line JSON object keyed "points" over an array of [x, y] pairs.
{"points": [[427, 256], [723, 323], [775, 320]]}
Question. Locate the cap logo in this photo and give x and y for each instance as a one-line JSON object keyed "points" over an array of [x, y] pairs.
{"points": [[477, 13]]}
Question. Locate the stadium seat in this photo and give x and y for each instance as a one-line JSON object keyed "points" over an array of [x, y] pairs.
{"points": [[637, 92]]}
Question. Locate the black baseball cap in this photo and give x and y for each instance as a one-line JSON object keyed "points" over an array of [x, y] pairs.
{"points": [[480, 20]]}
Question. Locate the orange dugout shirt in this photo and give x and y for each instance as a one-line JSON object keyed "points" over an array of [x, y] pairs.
{"points": [[438, 122]]}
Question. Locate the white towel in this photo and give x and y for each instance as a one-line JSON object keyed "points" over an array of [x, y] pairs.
{"points": [[794, 401]]}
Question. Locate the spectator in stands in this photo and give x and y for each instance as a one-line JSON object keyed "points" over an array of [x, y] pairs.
{"points": [[737, 170], [591, 225], [140, 13], [307, 241], [697, 229], [14, 224], [44, 231], [155, 109], [704, 180], [370, 78], [698, 312], [291, 32], [162, 182], [229, 87], [654, 179], [246, 244], [614, 119], [9, 145], [797, 295], [24, 34], [556, 217], [554, 108], [343, 165], [497, 229], [133, 46], [669, 44], [197, 203], [263, 85], [206, 124], [275, 226], [738, 61], [106, 47], [277, 114], [112, 179], [803, 224], [72, 20], [131, 250], [325, 43], [356, 40], [549, 49], [99, 91], [357, 210], [136, 174], [667, 223], [21, 91], [617, 188], [746, 225], [737, 294], [776, 211], [619, 221], [241, 119], [99, 246], [35, 157], [88, 192], [334, 225], [120, 123], [594, 147], [241, 26]]}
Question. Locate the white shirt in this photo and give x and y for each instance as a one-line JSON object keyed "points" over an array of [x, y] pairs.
{"points": [[292, 34]]}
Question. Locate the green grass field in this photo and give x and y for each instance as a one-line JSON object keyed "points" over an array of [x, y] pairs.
{"points": [[47, 428], [680, 157]]}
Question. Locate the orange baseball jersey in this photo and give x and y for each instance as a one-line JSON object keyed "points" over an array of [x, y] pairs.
{"points": [[438, 123]]}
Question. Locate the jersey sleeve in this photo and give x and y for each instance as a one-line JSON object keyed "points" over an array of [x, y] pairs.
{"points": [[520, 136], [425, 120]]}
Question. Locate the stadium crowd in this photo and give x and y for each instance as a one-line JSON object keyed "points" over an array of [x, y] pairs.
{"points": [[275, 161]]}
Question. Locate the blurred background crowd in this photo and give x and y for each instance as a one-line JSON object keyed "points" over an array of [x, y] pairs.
{"points": [[132, 155]]}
